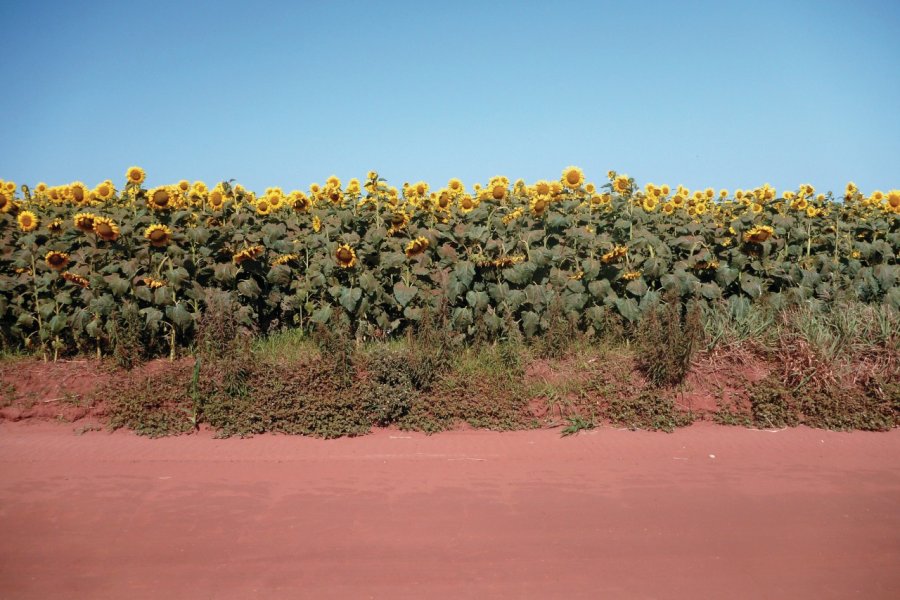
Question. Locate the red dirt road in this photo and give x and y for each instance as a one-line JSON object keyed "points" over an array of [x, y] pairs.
{"points": [[799, 513]]}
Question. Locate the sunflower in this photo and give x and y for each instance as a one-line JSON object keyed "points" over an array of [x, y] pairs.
{"points": [[135, 175], [631, 275], [300, 202], [756, 207], [158, 235], [590, 188], [184, 185], [56, 226], [153, 283], [668, 208], [105, 190], [284, 259], [200, 187], [758, 234], [263, 206], [498, 191], [28, 221], [216, 199], [622, 184], [57, 260], [892, 201], [399, 220], [372, 175], [542, 188], [650, 203], [417, 246], [701, 208], [539, 206], [345, 256], [615, 254], [572, 177], [316, 223], [84, 222], [106, 229], [6, 202], [162, 198], [512, 216], [665, 189], [248, 253], [40, 188], [76, 279], [78, 193], [456, 186], [467, 203]]}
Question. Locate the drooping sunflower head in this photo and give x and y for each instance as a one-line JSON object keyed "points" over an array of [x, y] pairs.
{"points": [[345, 256], [614, 255], [631, 275], [56, 226], [316, 223], [57, 260], [135, 175], [417, 246], [84, 222], [76, 279], [158, 235], [758, 234], [399, 220], [28, 221], [6, 202], [572, 177], [106, 229], [284, 259], [248, 253], [300, 202], [153, 283]]}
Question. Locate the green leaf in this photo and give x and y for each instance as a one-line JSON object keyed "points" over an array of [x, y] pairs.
{"points": [[404, 293], [179, 316], [249, 288], [349, 298], [322, 315]]}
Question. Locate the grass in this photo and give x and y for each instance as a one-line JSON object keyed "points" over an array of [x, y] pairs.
{"points": [[833, 366]]}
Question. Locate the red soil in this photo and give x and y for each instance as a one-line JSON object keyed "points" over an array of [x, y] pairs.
{"points": [[706, 512]]}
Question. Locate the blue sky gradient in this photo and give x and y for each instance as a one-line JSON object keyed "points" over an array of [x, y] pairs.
{"points": [[722, 94]]}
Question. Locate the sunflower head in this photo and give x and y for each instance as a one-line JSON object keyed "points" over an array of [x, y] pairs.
{"points": [[572, 177], [216, 199], [27, 220], [248, 253], [417, 246], [300, 202], [758, 234], [650, 203], [631, 275], [78, 193], [6, 202], [539, 206], [614, 255], [57, 260], [316, 223], [345, 256], [467, 203], [158, 235], [56, 226], [135, 175], [106, 229], [104, 191], [622, 184], [84, 222], [162, 198], [75, 278], [498, 191]]}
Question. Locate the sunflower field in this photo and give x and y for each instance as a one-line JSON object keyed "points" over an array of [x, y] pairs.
{"points": [[501, 259]]}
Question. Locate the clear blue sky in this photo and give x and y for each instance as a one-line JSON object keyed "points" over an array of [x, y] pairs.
{"points": [[727, 94]]}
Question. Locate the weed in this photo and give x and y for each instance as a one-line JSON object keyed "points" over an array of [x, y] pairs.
{"points": [[667, 339], [577, 424]]}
